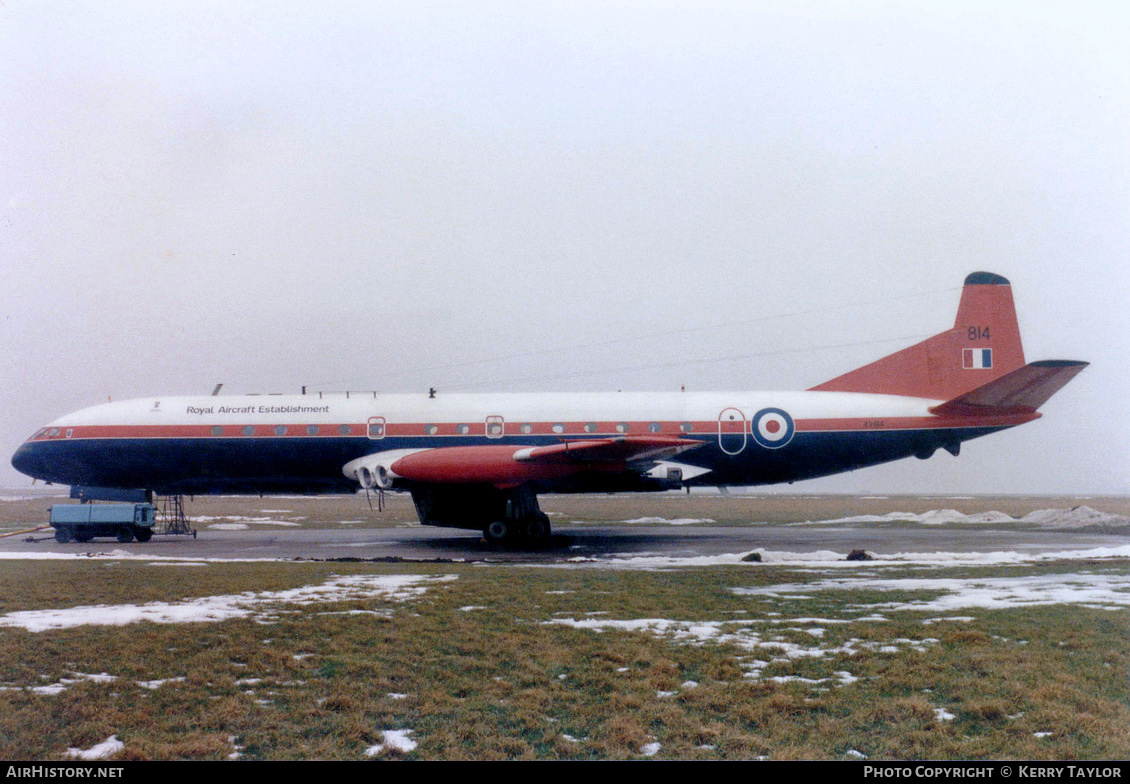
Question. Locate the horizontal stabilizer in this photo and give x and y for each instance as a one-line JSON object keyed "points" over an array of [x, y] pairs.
{"points": [[1021, 391]]}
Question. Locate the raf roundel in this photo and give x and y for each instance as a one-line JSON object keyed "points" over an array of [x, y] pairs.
{"points": [[772, 428]]}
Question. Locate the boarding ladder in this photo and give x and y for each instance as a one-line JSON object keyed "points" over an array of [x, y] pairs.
{"points": [[173, 518]]}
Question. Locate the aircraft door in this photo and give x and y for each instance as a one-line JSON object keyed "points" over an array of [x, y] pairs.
{"points": [[376, 428], [732, 428]]}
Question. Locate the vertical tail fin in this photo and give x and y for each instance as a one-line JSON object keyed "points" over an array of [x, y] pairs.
{"points": [[983, 345]]}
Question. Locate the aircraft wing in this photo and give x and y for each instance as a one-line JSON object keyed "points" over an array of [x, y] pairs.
{"points": [[625, 449], [506, 466]]}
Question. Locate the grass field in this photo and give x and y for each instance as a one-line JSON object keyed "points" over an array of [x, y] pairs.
{"points": [[331, 660]]}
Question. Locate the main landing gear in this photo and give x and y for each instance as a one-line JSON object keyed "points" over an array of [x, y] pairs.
{"points": [[531, 530], [523, 522], [508, 517]]}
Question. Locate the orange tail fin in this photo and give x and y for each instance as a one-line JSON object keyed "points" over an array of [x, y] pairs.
{"points": [[983, 345]]}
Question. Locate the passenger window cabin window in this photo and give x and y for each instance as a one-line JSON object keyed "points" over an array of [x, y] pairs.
{"points": [[654, 427], [559, 428], [622, 427], [249, 430]]}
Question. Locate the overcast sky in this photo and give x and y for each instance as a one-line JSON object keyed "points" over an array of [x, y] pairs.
{"points": [[499, 196]]}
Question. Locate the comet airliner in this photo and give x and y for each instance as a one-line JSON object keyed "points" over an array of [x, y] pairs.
{"points": [[479, 461]]}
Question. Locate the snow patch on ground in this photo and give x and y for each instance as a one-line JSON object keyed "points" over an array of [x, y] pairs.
{"points": [[262, 606], [825, 559], [154, 685], [667, 521], [1077, 517], [751, 636], [237, 750], [394, 740], [63, 684], [121, 555], [1095, 590], [102, 750]]}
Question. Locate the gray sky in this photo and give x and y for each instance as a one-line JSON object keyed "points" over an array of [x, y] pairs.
{"points": [[500, 196]]}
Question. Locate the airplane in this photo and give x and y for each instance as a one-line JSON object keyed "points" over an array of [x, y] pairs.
{"points": [[479, 461]]}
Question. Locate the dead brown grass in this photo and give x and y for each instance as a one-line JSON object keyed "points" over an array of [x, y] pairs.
{"points": [[499, 682]]}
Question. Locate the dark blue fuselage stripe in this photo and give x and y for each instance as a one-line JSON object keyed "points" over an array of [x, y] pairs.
{"points": [[314, 465]]}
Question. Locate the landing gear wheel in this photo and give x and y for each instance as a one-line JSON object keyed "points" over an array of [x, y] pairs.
{"points": [[143, 534], [537, 529], [497, 532], [125, 535], [63, 535]]}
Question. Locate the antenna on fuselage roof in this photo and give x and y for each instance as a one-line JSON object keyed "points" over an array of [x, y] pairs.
{"points": [[216, 391]]}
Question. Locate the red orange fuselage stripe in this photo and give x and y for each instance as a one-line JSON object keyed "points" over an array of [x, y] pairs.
{"points": [[513, 430]]}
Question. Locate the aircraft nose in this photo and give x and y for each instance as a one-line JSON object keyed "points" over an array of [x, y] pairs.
{"points": [[27, 460]]}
